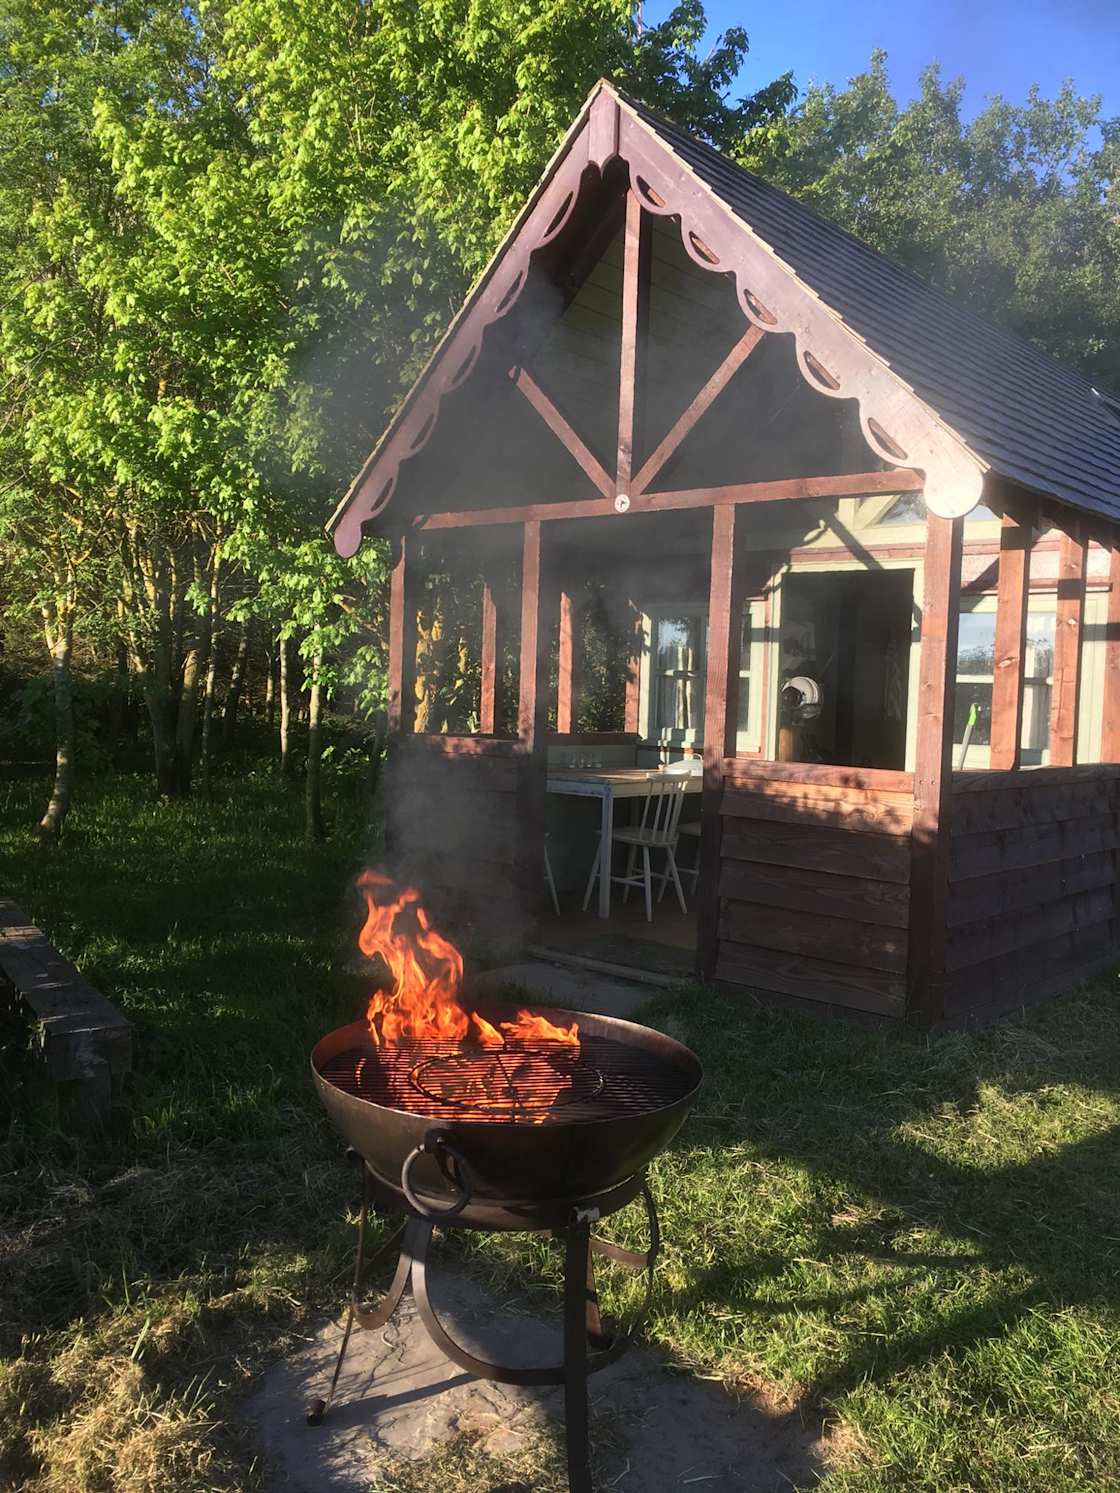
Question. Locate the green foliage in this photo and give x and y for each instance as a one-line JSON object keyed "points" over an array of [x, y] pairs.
{"points": [[1017, 212], [228, 236], [27, 721]]}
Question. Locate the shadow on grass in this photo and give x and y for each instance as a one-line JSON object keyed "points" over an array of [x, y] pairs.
{"points": [[844, 1211], [939, 1191]]}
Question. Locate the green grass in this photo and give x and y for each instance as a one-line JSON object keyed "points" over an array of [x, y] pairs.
{"points": [[923, 1238]]}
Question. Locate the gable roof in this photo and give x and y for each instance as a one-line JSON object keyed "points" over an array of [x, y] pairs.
{"points": [[1033, 419], [938, 388]]}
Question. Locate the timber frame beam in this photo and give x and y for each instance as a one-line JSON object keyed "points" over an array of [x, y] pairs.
{"points": [[1068, 628], [852, 484], [1016, 538], [609, 138], [699, 406]]}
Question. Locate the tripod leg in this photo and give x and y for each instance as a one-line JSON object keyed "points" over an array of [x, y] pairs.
{"points": [[319, 1407], [577, 1248]]}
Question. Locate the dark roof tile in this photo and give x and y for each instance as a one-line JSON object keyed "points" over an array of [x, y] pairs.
{"points": [[1033, 419]]}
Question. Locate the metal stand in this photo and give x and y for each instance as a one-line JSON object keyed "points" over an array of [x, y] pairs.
{"points": [[588, 1347]]}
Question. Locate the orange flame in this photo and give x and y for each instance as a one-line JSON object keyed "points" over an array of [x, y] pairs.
{"points": [[427, 973]]}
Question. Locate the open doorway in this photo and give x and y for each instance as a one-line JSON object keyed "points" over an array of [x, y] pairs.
{"points": [[844, 665]]}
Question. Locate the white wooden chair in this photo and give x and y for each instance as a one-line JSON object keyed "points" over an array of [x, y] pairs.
{"points": [[656, 830], [692, 830]]}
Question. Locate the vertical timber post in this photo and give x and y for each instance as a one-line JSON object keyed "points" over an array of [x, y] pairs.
{"points": [[404, 603], [1110, 723], [489, 662], [1067, 645], [635, 320], [632, 716], [404, 599], [566, 681], [933, 769], [1011, 638], [637, 262], [719, 729], [532, 717]]}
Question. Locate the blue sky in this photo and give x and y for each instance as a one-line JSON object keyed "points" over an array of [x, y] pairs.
{"points": [[998, 46]]}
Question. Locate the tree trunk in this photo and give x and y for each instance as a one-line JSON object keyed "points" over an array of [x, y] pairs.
{"points": [[188, 713], [176, 656], [60, 641], [160, 700], [270, 684], [195, 661], [118, 700], [212, 612], [287, 766], [314, 798], [236, 683], [158, 686]]}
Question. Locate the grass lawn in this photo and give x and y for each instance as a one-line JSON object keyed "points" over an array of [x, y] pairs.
{"points": [[921, 1238]]}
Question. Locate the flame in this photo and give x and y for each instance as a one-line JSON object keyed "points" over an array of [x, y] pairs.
{"points": [[423, 1003]]}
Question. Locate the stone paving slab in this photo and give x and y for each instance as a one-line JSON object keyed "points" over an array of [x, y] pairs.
{"points": [[564, 985], [398, 1397]]}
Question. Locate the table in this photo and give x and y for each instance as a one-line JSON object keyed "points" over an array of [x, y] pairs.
{"points": [[608, 784]]}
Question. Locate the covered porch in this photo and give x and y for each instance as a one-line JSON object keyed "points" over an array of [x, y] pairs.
{"points": [[658, 516]]}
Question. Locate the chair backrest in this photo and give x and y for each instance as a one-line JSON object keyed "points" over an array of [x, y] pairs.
{"points": [[661, 810]]}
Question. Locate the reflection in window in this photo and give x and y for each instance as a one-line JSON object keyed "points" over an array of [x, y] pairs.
{"points": [[677, 668], [679, 664], [976, 650], [911, 509]]}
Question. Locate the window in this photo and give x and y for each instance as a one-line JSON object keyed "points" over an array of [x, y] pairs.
{"points": [[679, 647], [911, 509], [748, 716], [676, 651], [976, 650]]}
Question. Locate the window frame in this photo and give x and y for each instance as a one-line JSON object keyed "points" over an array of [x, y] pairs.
{"points": [[747, 740], [1041, 603]]}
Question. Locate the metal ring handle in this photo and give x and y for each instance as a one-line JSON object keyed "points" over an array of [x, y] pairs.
{"points": [[432, 1145]]}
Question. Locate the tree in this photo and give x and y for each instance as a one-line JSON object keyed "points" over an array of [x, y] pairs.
{"points": [[1016, 213], [228, 234]]}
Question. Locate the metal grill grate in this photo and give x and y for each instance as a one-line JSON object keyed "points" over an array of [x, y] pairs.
{"points": [[521, 1083]]}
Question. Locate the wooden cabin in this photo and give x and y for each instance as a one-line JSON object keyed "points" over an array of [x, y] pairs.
{"points": [[680, 409]]}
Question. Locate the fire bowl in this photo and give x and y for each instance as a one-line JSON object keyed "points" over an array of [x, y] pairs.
{"points": [[462, 1128]]}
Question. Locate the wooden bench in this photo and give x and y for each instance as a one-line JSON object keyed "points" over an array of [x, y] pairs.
{"points": [[86, 1042]]}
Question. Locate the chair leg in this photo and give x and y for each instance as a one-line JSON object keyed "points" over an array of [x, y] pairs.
{"points": [[648, 883], [549, 878], [594, 874], [671, 868], [631, 857]]}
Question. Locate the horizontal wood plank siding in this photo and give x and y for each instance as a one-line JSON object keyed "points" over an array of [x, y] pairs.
{"points": [[1033, 883], [454, 829], [814, 885]]}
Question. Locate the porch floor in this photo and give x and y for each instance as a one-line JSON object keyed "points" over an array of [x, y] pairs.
{"points": [[667, 946]]}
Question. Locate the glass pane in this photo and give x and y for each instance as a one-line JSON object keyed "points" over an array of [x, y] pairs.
{"points": [[976, 643], [743, 712], [746, 637], [679, 652], [678, 644], [968, 695], [910, 509], [677, 700], [1039, 661], [1036, 717]]}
